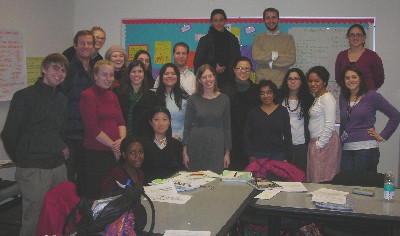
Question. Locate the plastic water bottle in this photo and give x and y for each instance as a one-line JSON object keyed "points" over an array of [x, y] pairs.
{"points": [[389, 186]]}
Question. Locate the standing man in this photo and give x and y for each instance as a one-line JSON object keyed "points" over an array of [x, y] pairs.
{"points": [[33, 137], [77, 80], [188, 79], [100, 38], [273, 51]]}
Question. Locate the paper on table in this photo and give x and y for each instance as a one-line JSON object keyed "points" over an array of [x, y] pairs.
{"points": [[292, 186], [166, 192], [186, 233], [268, 194], [329, 196]]}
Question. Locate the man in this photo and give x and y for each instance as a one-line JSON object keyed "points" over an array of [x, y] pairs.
{"points": [[273, 51], [78, 79], [188, 79], [33, 138], [100, 38]]}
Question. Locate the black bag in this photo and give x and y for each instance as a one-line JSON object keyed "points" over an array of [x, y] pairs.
{"points": [[129, 200]]}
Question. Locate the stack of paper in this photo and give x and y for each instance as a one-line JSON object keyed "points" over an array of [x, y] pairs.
{"points": [[235, 176], [332, 199], [186, 181], [165, 192]]}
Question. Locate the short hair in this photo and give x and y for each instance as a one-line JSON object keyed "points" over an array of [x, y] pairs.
{"points": [[243, 59], [322, 73], [181, 44], [56, 58], [97, 28], [82, 33], [101, 63], [359, 27], [270, 9], [126, 142], [164, 110], [135, 63], [150, 68], [218, 11], [363, 85], [199, 73], [268, 83]]}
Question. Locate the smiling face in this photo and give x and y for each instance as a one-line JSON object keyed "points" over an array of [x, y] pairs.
{"points": [[316, 84], [169, 78], [118, 60], [134, 155], [207, 80], [180, 56], [99, 38], [84, 47], [352, 81], [218, 22], [356, 37], [54, 74], [145, 59], [160, 123], [136, 76], [242, 70], [267, 95], [104, 76], [271, 21], [294, 81]]}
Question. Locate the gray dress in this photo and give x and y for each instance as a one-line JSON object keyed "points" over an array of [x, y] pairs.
{"points": [[207, 132]]}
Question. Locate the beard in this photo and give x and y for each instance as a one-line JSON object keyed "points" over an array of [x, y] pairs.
{"points": [[271, 29]]}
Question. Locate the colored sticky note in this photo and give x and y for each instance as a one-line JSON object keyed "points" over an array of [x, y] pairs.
{"points": [[33, 69], [190, 60], [134, 48], [162, 52], [236, 31]]}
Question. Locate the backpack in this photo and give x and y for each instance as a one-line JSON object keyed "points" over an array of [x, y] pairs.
{"points": [[266, 168], [128, 202]]}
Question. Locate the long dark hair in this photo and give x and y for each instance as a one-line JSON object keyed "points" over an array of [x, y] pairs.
{"points": [[178, 92], [363, 85], [304, 96], [148, 74], [126, 86], [268, 83]]}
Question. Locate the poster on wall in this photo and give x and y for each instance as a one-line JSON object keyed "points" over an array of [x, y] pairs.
{"points": [[12, 63]]}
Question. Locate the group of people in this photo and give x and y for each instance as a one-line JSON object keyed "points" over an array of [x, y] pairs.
{"points": [[110, 121]]}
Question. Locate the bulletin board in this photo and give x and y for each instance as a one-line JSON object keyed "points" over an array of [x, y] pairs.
{"points": [[318, 40]]}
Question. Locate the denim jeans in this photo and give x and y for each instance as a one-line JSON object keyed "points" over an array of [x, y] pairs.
{"points": [[364, 159], [279, 156]]}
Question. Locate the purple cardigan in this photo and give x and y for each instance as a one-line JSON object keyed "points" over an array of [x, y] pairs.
{"points": [[370, 65], [363, 117]]}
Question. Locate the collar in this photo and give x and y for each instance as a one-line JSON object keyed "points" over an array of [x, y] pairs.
{"points": [[277, 32]]}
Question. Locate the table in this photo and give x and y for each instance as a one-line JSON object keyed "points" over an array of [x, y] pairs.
{"points": [[370, 210], [215, 210]]}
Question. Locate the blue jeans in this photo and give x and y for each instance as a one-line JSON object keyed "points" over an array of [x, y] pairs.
{"points": [[279, 156], [364, 159]]}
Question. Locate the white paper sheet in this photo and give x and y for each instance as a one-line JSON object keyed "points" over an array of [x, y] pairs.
{"points": [[292, 186], [267, 194]]}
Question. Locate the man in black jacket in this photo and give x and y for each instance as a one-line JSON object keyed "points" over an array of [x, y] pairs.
{"points": [[33, 137]]}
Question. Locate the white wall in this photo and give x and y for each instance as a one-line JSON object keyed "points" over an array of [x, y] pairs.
{"points": [[50, 25]]}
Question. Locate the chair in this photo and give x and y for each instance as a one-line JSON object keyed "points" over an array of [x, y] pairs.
{"points": [[359, 178]]}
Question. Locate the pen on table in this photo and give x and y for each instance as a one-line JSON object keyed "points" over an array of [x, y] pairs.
{"points": [[235, 174]]}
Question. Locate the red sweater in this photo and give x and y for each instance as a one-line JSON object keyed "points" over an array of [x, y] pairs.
{"points": [[100, 111]]}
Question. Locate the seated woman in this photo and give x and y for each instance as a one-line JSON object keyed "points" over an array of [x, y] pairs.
{"points": [[163, 153], [132, 152], [267, 130]]}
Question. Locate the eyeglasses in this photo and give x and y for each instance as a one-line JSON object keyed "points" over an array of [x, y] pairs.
{"points": [[358, 35], [293, 78], [100, 38], [218, 20], [207, 76], [243, 69]]}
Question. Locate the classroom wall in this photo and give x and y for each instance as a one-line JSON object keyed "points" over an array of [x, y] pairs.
{"points": [[47, 23]]}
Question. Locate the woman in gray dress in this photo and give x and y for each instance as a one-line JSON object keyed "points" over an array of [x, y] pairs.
{"points": [[207, 133]]}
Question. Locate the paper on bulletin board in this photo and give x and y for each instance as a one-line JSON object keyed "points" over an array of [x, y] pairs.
{"points": [[236, 31], [33, 69], [12, 63], [190, 61], [162, 52], [134, 48]]}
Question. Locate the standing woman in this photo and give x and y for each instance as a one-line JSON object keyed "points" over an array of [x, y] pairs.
{"points": [[296, 97], [324, 148], [145, 57], [358, 108], [219, 48], [207, 135], [267, 130], [136, 99], [366, 60], [116, 54], [242, 93], [173, 97], [104, 128]]}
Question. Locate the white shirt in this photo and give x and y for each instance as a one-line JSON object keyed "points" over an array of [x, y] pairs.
{"points": [[322, 119], [297, 126], [188, 81]]}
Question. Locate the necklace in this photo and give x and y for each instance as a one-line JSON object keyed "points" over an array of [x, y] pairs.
{"points": [[350, 108], [287, 105]]}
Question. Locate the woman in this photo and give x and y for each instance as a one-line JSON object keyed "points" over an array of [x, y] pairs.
{"points": [[366, 60], [242, 93], [219, 48], [358, 108], [163, 153], [207, 134], [116, 54], [296, 97], [173, 97], [323, 150], [136, 99], [104, 128], [132, 152], [145, 57], [267, 129]]}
